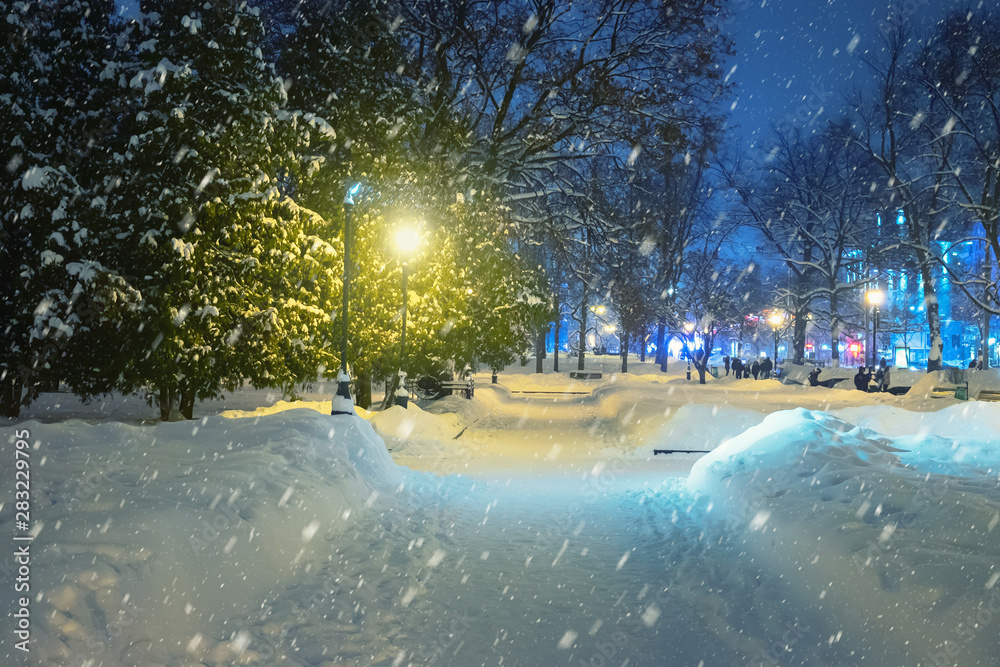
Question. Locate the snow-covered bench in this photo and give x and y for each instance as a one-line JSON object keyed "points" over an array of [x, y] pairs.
{"points": [[431, 388]]}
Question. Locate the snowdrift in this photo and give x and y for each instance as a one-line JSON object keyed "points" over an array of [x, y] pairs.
{"points": [[156, 541], [883, 555]]}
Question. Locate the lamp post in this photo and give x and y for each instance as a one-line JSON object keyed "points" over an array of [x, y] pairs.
{"points": [[612, 329], [689, 328], [776, 319], [407, 240], [343, 403], [875, 298]]}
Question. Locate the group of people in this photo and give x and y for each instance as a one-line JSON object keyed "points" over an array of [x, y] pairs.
{"points": [[742, 369], [879, 374]]}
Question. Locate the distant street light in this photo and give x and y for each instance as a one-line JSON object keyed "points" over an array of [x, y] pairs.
{"points": [[612, 329], [875, 299], [343, 403], [407, 240], [689, 327], [776, 319]]}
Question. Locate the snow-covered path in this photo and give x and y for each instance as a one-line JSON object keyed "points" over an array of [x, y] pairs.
{"points": [[552, 547], [537, 436], [546, 571]]}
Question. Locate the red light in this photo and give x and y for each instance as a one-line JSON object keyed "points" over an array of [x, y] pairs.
{"points": [[809, 346]]}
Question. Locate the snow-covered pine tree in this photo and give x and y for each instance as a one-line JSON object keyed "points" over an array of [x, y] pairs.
{"points": [[343, 61], [204, 234], [57, 298]]}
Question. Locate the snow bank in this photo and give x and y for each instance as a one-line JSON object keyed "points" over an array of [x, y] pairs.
{"points": [[884, 562], [401, 424], [703, 427], [161, 543], [322, 406]]}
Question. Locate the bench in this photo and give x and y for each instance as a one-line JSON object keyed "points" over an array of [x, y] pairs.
{"points": [[961, 392], [466, 388], [990, 395], [585, 375], [431, 388]]}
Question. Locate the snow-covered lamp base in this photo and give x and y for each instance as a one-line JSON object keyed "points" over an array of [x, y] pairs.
{"points": [[402, 396], [343, 404]]}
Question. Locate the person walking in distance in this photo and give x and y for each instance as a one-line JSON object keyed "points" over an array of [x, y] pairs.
{"points": [[765, 367], [862, 378]]}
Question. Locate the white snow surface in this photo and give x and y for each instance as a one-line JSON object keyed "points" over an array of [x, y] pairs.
{"points": [[826, 527]]}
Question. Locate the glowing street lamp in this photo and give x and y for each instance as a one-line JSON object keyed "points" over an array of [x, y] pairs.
{"points": [[343, 403], [689, 327], [407, 240], [875, 299], [611, 329], [776, 319]]}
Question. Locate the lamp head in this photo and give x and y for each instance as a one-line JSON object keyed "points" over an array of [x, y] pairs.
{"points": [[689, 326], [349, 195], [875, 297], [776, 319], [407, 240]]}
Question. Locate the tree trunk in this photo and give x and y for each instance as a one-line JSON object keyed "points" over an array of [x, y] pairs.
{"points": [[165, 400], [835, 328], [555, 342], [934, 361], [187, 401], [666, 354], [583, 331], [661, 336], [540, 349], [984, 325], [624, 351], [391, 385], [701, 365], [984, 337], [642, 344], [363, 388], [799, 337], [10, 397]]}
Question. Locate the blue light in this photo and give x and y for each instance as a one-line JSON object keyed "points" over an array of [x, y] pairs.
{"points": [[349, 196]]}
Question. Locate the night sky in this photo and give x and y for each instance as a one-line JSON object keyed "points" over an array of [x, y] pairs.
{"points": [[795, 59]]}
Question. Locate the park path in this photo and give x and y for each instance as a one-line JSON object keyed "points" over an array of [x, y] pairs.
{"points": [[549, 548]]}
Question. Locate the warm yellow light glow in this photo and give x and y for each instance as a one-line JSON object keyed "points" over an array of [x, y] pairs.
{"points": [[610, 328], [776, 319], [407, 240], [597, 309], [875, 297], [689, 326]]}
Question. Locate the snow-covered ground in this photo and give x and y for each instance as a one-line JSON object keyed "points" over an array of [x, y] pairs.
{"points": [[530, 526]]}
